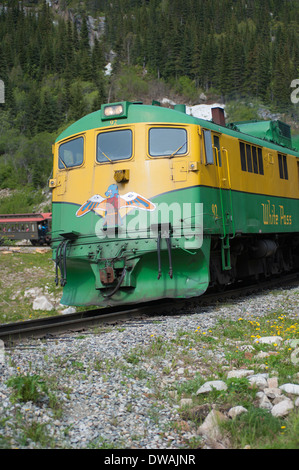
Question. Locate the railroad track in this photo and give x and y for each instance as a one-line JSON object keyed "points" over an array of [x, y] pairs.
{"points": [[12, 333]]}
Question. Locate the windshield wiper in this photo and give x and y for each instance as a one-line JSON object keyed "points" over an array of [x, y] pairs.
{"points": [[59, 158], [177, 150], [105, 155]]}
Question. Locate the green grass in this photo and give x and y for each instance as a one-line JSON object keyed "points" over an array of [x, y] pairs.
{"points": [[256, 429], [20, 272], [260, 430]]}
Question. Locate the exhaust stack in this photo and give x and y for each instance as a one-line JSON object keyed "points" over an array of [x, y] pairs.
{"points": [[218, 116]]}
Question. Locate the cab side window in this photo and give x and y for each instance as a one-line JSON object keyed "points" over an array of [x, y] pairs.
{"points": [[283, 167], [251, 158], [218, 152]]}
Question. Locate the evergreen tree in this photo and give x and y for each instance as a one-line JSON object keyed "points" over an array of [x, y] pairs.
{"points": [[84, 36], [77, 103], [53, 75], [101, 94], [47, 115]]}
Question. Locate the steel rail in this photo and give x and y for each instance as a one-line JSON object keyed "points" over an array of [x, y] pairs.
{"points": [[12, 333]]}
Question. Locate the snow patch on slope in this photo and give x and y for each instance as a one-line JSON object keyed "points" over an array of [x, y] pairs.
{"points": [[203, 111]]}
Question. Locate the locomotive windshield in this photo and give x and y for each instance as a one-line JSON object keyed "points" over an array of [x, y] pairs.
{"points": [[71, 153], [167, 141], [114, 145]]}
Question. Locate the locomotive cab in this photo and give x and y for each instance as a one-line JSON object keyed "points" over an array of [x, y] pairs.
{"points": [[121, 205]]}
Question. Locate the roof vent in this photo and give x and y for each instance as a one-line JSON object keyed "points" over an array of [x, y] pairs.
{"points": [[180, 107], [274, 131]]}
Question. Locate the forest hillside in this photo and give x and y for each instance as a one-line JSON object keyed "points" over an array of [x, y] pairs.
{"points": [[61, 59]]}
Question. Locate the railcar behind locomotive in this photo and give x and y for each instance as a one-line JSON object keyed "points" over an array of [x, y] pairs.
{"points": [[150, 202], [35, 227]]}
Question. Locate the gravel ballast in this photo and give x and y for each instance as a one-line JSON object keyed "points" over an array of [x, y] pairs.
{"points": [[116, 387]]}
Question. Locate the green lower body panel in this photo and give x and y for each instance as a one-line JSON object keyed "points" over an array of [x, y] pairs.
{"points": [[231, 212], [115, 271], [190, 278]]}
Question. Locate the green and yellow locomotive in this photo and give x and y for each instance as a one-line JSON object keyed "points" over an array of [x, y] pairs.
{"points": [[150, 202]]}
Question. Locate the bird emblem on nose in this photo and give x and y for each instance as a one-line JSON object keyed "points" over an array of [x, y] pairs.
{"points": [[111, 206]]}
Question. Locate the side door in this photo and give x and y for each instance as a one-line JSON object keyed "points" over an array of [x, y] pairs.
{"points": [[224, 184], [217, 157]]}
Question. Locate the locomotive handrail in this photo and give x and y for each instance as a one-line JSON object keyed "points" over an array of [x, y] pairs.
{"points": [[220, 193], [230, 191]]}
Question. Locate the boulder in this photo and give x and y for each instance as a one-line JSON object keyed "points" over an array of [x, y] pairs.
{"points": [[239, 373], [283, 408], [236, 411], [269, 340], [265, 403], [210, 426], [186, 401], [32, 292], [290, 388], [42, 303], [259, 380], [272, 382], [68, 310], [212, 384], [272, 393]]}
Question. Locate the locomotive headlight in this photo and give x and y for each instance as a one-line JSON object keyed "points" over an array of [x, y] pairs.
{"points": [[113, 110]]}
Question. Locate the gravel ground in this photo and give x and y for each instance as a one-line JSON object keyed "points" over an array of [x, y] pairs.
{"points": [[116, 387]]}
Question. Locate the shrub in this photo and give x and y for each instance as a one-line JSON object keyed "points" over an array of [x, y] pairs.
{"points": [[27, 388]]}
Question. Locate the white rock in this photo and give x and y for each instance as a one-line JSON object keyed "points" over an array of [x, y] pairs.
{"points": [[295, 356], [259, 381], [42, 303], [186, 401], [293, 343], [32, 292], [262, 355], [210, 426], [278, 399], [272, 392], [290, 388], [213, 384], [273, 382], [15, 295], [246, 348], [68, 310], [282, 408], [265, 403], [269, 340], [239, 373], [168, 101], [236, 411]]}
